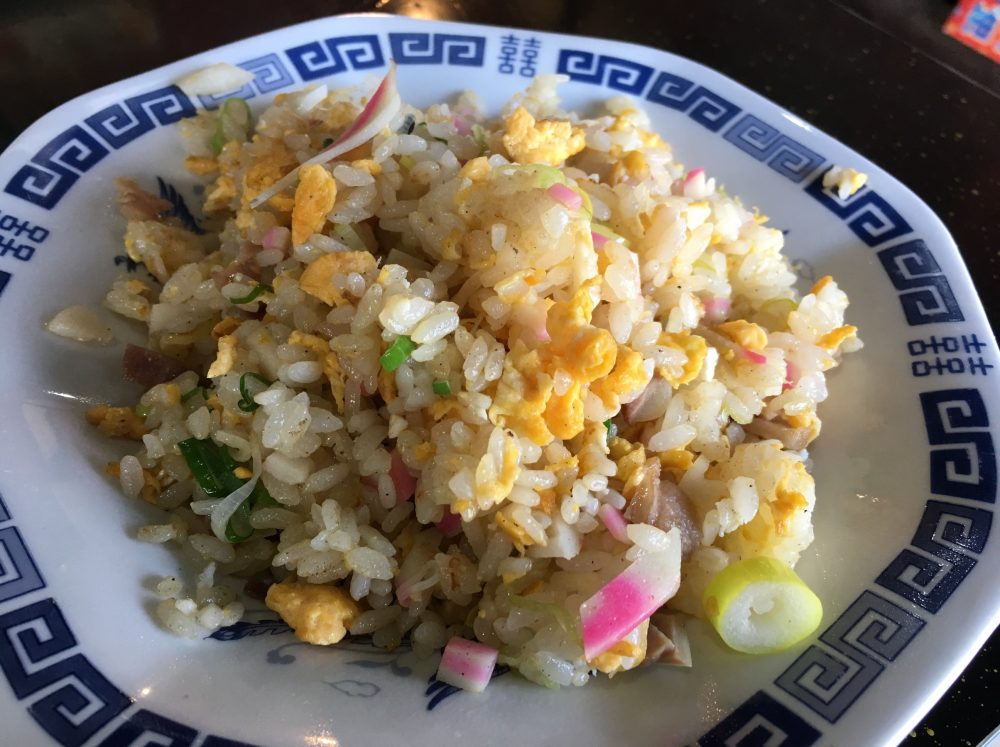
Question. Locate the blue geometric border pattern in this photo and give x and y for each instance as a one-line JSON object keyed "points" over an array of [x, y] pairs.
{"points": [[866, 212], [270, 74], [120, 124], [63, 691], [705, 107], [50, 173], [56, 167], [614, 72], [414, 48], [926, 295], [963, 457], [766, 143], [830, 678], [761, 720], [18, 573], [320, 59]]}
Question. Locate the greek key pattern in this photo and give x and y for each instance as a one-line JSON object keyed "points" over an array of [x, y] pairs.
{"points": [[4, 280], [412, 48], [56, 167], [320, 59], [963, 457], [950, 536], [613, 72], [18, 573], [145, 727], [829, 676], [120, 124], [705, 107], [866, 212], [926, 295], [270, 74], [766, 143], [761, 720]]}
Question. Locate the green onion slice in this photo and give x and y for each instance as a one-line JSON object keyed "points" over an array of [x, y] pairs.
{"points": [[235, 123], [213, 468], [253, 295], [441, 388], [246, 403], [397, 353], [349, 236]]}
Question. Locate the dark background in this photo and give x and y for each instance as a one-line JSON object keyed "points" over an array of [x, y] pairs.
{"points": [[877, 74]]}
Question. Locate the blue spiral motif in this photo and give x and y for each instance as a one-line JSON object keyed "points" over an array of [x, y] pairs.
{"points": [[414, 48], [56, 167], [145, 727], [767, 143], [927, 297], [866, 212], [963, 456], [828, 678], [339, 54], [614, 72], [120, 124], [761, 720], [705, 107], [18, 573], [952, 534]]}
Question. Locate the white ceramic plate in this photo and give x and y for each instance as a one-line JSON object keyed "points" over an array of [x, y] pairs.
{"points": [[905, 468]]}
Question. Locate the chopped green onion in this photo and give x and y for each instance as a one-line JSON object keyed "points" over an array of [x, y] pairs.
{"points": [[441, 388], [441, 139], [327, 142], [198, 390], [546, 176], [349, 236], [608, 233], [252, 295], [397, 353], [234, 123], [406, 162], [479, 134], [612, 429], [246, 403], [142, 411], [214, 469]]}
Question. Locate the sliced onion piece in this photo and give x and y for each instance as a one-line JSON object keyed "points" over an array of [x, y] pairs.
{"points": [[467, 664], [565, 196], [378, 112], [229, 505], [760, 606], [614, 521], [213, 80], [631, 597]]}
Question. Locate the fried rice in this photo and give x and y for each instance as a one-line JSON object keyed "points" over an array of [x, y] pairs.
{"points": [[464, 375]]}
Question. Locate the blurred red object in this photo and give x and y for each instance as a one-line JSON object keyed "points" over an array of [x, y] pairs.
{"points": [[976, 23]]}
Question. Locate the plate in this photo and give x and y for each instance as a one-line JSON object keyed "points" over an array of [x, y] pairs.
{"points": [[905, 469]]}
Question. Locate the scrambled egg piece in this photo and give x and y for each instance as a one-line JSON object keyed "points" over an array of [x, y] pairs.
{"points": [[264, 169], [225, 357], [314, 199], [317, 278], [546, 141], [117, 422], [676, 462], [226, 326], [495, 481], [318, 614], [516, 533], [846, 180], [693, 346], [632, 166], [808, 420], [834, 338], [629, 119], [624, 655], [522, 394], [747, 334], [201, 165]]}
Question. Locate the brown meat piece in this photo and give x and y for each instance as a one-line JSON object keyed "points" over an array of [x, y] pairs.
{"points": [[149, 368]]}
